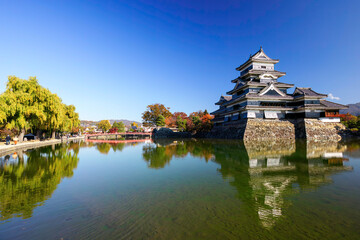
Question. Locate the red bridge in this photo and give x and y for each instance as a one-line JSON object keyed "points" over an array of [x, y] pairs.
{"points": [[129, 135]]}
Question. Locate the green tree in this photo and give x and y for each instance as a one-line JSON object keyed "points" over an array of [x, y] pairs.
{"points": [[153, 112], [55, 113], [103, 148], [120, 126], [104, 125], [19, 104], [160, 121], [2, 111], [25, 104], [181, 123], [196, 120], [71, 119]]}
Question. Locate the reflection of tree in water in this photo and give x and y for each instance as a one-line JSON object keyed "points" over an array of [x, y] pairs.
{"points": [[105, 147], [160, 154], [29, 180], [264, 173], [352, 148], [157, 157], [117, 146]]}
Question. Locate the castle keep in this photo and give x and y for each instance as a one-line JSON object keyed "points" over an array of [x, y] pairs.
{"points": [[260, 107], [259, 95]]}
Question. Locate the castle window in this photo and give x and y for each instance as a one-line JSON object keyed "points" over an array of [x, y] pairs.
{"points": [[272, 104]]}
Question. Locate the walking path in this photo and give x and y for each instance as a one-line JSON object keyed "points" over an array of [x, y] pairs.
{"points": [[32, 144]]}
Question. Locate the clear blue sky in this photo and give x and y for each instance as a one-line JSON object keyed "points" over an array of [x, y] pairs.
{"points": [[113, 58]]}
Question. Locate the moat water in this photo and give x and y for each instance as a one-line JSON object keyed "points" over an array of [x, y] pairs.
{"points": [[191, 189]]}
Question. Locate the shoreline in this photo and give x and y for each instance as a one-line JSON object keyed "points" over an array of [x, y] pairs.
{"points": [[35, 144]]}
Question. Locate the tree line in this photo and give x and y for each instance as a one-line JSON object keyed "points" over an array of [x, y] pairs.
{"points": [[351, 122], [158, 115], [116, 127], [26, 106]]}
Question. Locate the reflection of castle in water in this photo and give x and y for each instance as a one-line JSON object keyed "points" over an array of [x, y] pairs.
{"points": [[273, 176], [264, 173]]}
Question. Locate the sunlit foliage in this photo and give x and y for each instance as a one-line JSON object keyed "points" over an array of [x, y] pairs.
{"points": [[25, 105], [104, 125], [153, 112], [120, 126]]}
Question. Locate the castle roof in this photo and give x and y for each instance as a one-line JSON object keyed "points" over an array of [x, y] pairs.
{"points": [[332, 105], [256, 95], [221, 110], [223, 99], [260, 72], [259, 56], [307, 92], [259, 84]]}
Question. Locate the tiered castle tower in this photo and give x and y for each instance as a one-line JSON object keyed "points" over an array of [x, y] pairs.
{"points": [[259, 94]]}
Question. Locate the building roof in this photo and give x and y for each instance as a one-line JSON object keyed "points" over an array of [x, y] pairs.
{"points": [[227, 98], [278, 84], [218, 119], [221, 110], [268, 107], [223, 99], [307, 92], [236, 79], [332, 105], [259, 56], [260, 84], [256, 95], [260, 72]]}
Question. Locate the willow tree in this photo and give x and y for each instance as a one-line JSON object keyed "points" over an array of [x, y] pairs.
{"points": [[71, 118], [19, 104], [26, 104], [2, 111], [55, 113]]}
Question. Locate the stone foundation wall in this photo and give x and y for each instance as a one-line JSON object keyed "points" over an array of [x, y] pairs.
{"points": [[316, 130], [266, 129]]}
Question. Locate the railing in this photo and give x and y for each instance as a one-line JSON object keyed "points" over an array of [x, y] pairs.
{"points": [[330, 114]]}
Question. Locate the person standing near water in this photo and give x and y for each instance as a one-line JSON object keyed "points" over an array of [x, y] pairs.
{"points": [[7, 139]]}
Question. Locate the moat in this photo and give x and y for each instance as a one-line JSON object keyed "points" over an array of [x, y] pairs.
{"points": [[182, 189]]}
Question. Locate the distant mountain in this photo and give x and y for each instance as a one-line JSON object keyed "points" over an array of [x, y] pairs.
{"points": [[353, 109], [125, 121], [87, 123]]}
